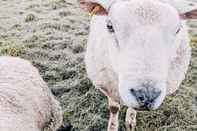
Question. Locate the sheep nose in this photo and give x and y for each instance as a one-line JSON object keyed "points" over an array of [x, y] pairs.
{"points": [[146, 96]]}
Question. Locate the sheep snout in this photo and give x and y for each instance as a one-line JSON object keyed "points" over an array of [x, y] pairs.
{"points": [[146, 97]]}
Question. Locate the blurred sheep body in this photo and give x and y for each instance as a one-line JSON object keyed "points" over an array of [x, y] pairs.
{"points": [[26, 103]]}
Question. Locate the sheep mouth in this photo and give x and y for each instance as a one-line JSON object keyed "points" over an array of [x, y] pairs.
{"points": [[143, 108]]}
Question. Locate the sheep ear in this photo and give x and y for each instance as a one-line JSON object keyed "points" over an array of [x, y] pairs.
{"points": [[186, 8], [189, 15], [93, 8]]}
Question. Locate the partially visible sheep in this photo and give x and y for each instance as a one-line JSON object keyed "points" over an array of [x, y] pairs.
{"points": [[26, 103], [137, 53]]}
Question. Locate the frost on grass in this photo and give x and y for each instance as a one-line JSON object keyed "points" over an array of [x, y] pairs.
{"points": [[11, 49]]}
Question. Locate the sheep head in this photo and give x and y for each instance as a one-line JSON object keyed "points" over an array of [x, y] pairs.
{"points": [[141, 46]]}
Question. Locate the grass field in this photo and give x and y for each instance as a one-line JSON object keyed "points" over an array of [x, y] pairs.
{"points": [[53, 34]]}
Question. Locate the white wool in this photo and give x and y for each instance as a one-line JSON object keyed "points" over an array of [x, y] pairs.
{"points": [[144, 47], [26, 103]]}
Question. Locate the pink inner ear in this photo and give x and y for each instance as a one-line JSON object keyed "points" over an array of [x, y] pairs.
{"points": [[87, 6]]}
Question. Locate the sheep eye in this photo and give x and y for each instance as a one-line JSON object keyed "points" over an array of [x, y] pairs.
{"points": [[110, 27], [178, 31]]}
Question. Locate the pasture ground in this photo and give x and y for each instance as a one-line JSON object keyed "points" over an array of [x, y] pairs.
{"points": [[53, 34]]}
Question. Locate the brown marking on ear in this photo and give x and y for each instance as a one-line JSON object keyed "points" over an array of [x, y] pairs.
{"points": [[99, 10], [92, 8], [189, 15], [95, 10]]}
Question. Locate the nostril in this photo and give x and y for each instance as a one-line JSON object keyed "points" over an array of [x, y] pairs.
{"points": [[139, 95], [132, 90], [141, 98]]}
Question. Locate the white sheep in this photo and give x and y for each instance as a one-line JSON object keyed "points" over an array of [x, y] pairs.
{"points": [[137, 53], [26, 103]]}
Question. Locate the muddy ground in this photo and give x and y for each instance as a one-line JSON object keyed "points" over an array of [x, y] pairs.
{"points": [[53, 34]]}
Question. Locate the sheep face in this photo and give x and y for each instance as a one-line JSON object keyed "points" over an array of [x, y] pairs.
{"points": [[141, 48]]}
